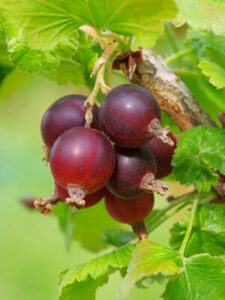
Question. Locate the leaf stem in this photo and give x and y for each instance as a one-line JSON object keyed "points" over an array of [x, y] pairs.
{"points": [[165, 217], [187, 198], [162, 216], [177, 55], [186, 72], [189, 228]]}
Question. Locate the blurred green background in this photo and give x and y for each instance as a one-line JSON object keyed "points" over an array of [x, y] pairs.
{"points": [[32, 247]]}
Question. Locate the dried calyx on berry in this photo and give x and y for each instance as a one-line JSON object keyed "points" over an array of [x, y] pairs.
{"points": [[134, 173]]}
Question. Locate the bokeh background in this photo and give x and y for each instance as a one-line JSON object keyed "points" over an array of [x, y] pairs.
{"points": [[32, 247]]}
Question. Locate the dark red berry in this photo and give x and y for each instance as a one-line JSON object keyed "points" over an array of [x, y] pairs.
{"points": [[133, 173], [163, 154], [127, 115], [64, 114], [82, 160], [90, 199], [60, 191], [129, 211]]}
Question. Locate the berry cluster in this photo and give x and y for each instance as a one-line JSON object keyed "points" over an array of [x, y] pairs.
{"points": [[118, 156]]}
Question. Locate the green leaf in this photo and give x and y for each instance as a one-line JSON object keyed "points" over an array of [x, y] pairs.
{"points": [[150, 259], [200, 153], [202, 15], [208, 233], [38, 27], [210, 50], [215, 73], [117, 237], [210, 98], [199, 41], [87, 224], [69, 71], [78, 68], [202, 278], [83, 281]]}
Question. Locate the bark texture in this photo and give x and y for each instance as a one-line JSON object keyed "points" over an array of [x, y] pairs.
{"points": [[174, 97]]}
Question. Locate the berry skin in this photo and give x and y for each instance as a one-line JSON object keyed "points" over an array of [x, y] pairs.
{"points": [[163, 154], [127, 114], [82, 160], [90, 199], [130, 211], [132, 165], [134, 173], [64, 114]]}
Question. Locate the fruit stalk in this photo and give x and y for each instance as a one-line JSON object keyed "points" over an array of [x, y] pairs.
{"points": [[140, 230], [108, 55]]}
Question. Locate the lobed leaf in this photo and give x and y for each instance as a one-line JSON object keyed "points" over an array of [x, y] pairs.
{"points": [[202, 15], [150, 259], [214, 71], [210, 98], [210, 50], [202, 278], [200, 153], [83, 281], [41, 33], [208, 233]]}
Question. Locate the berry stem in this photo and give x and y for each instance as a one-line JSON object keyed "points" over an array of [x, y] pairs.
{"points": [[178, 203], [149, 184], [91, 31], [47, 155], [104, 61], [123, 42], [189, 228], [160, 220], [140, 230], [45, 205], [177, 55]]}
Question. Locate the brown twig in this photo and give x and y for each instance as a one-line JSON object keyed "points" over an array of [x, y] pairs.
{"points": [[174, 97]]}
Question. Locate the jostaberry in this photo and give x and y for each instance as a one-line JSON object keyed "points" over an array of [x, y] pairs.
{"points": [[130, 211], [134, 173], [163, 154], [130, 116], [65, 113], [82, 160]]}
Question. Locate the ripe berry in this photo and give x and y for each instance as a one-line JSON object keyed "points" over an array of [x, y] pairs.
{"points": [[130, 116], [82, 160], [64, 114], [134, 173], [129, 211], [163, 154], [90, 199]]}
